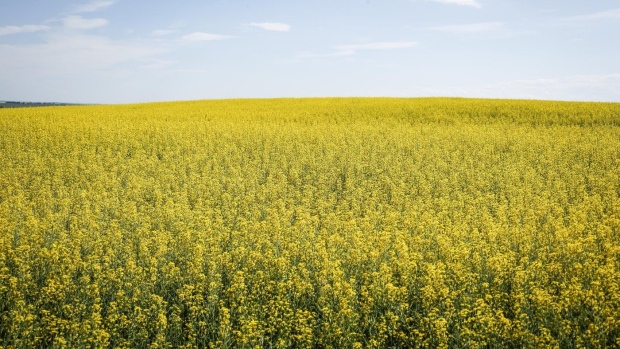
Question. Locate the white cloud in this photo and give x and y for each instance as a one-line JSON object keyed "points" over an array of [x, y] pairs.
{"points": [[472, 3], [278, 27], [12, 29], [158, 64], [469, 28], [79, 23], [352, 49], [200, 36], [610, 14], [93, 6], [347, 50], [164, 32], [72, 54], [575, 88], [341, 53], [378, 46], [586, 83]]}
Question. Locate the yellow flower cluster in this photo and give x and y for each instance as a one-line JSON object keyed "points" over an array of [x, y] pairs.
{"points": [[311, 223]]}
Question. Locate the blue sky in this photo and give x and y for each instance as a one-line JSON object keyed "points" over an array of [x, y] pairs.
{"points": [[108, 51]]}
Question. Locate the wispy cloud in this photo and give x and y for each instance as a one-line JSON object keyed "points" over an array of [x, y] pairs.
{"points": [[469, 28], [576, 88], [390, 45], [341, 53], [164, 32], [610, 14], [158, 64], [74, 22], [352, 49], [79, 23], [12, 29], [609, 81], [472, 3], [200, 36], [278, 27], [93, 6], [73, 53]]}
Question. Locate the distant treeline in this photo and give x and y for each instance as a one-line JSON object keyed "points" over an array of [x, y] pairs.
{"points": [[31, 104]]}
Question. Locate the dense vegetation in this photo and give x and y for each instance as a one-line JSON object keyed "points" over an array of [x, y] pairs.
{"points": [[311, 223], [9, 104]]}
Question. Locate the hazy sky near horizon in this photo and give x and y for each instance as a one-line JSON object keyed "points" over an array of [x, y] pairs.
{"points": [[119, 51]]}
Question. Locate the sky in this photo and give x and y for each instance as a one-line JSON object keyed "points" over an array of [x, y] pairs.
{"points": [[126, 51]]}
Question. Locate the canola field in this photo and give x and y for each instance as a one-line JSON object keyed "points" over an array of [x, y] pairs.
{"points": [[311, 223]]}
